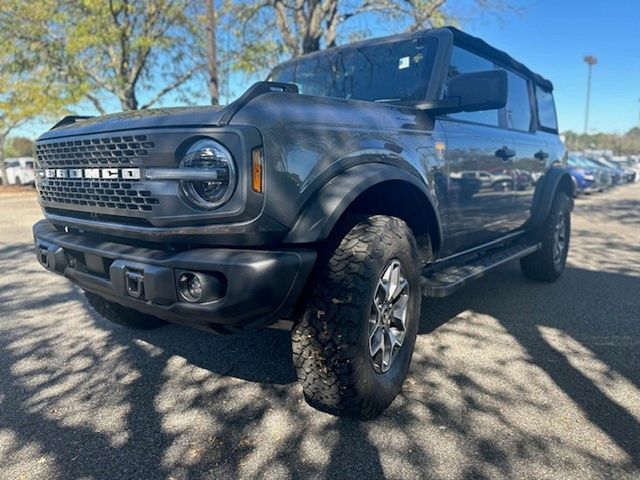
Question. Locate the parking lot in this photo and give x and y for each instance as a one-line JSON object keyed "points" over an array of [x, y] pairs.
{"points": [[510, 379]]}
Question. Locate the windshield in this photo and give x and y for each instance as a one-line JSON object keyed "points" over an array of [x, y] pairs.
{"points": [[385, 72]]}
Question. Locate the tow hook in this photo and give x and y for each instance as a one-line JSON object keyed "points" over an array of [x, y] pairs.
{"points": [[135, 285]]}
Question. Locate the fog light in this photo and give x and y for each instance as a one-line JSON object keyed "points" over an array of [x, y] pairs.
{"points": [[196, 287], [190, 287]]}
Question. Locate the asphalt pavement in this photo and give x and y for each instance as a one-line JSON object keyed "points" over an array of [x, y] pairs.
{"points": [[510, 379]]}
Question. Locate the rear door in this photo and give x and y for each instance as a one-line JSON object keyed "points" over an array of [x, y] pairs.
{"points": [[531, 149], [480, 194]]}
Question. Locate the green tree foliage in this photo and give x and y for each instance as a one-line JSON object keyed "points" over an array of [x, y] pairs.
{"points": [[26, 94], [110, 48], [19, 147], [627, 144]]}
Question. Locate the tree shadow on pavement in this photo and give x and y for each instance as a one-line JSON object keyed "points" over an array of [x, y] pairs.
{"points": [[498, 385]]}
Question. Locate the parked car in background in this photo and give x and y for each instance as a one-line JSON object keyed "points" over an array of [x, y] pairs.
{"points": [[605, 173], [20, 171], [631, 167], [586, 179], [617, 173]]}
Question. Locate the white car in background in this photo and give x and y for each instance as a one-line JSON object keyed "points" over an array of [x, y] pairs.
{"points": [[630, 165], [20, 171]]}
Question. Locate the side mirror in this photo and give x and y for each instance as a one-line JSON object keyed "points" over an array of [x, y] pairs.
{"points": [[472, 92]]}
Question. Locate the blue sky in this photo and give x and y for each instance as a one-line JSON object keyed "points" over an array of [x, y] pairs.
{"points": [[552, 38]]}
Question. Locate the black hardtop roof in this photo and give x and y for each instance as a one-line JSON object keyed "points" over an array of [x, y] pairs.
{"points": [[460, 38], [480, 46]]}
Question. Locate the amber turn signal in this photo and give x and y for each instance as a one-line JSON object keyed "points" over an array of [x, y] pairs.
{"points": [[257, 160]]}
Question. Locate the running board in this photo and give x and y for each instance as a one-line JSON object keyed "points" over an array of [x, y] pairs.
{"points": [[441, 283]]}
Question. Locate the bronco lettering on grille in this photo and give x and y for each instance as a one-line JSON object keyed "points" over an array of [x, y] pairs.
{"points": [[104, 173]]}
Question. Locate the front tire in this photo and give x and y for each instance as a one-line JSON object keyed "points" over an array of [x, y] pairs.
{"points": [[120, 315], [547, 264], [352, 347]]}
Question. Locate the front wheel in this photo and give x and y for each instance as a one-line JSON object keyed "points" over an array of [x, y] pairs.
{"points": [[547, 264], [352, 347]]}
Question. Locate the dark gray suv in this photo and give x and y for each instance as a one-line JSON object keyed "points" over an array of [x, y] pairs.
{"points": [[328, 199]]}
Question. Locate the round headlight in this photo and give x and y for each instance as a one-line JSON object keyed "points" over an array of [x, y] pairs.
{"points": [[215, 164]]}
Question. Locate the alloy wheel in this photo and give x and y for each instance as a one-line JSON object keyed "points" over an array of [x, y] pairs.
{"points": [[388, 317]]}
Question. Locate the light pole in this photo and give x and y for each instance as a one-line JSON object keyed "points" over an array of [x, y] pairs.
{"points": [[591, 61]]}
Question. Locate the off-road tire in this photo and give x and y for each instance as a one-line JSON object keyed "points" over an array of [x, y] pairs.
{"points": [[330, 341], [120, 315], [541, 265]]}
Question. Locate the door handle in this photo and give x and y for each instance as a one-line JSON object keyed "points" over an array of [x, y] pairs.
{"points": [[541, 155], [505, 153]]}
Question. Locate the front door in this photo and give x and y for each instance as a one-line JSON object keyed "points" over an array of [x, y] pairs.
{"points": [[480, 202], [480, 193]]}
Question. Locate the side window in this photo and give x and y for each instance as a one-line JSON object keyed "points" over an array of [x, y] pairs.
{"points": [[463, 61], [546, 110], [518, 108]]}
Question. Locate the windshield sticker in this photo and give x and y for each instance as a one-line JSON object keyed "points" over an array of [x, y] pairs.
{"points": [[404, 63]]}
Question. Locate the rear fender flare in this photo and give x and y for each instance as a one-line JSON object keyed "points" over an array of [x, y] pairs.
{"points": [[556, 179]]}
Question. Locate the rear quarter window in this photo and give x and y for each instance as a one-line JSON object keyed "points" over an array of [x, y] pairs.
{"points": [[547, 118]]}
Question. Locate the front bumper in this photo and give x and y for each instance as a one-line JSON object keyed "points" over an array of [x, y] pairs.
{"points": [[260, 286]]}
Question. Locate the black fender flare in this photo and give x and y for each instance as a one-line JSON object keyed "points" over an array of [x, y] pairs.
{"points": [[556, 178], [325, 208]]}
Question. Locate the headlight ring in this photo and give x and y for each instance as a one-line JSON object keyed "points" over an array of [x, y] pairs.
{"points": [[208, 155]]}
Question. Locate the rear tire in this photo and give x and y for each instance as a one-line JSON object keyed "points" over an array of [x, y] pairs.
{"points": [[364, 297], [120, 315], [547, 264]]}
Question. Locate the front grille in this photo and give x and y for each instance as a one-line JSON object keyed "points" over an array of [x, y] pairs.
{"points": [[93, 152], [103, 194], [116, 196]]}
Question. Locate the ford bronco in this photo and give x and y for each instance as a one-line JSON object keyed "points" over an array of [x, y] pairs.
{"points": [[328, 199]]}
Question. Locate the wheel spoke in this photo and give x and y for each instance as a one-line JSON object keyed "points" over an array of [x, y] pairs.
{"points": [[402, 286], [376, 342], [396, 337], [394, 280], [382, 292], [400, 308], [387, 351]]}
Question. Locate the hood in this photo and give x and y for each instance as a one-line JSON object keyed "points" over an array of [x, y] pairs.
{"points": [[139, 119], [165, 117]]}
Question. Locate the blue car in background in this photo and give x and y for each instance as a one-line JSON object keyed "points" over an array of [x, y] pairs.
{"points": [[586, 177], [604, 174]]}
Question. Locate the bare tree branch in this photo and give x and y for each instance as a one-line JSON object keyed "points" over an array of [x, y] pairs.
{"points": [[96, 103], [172, 86]]}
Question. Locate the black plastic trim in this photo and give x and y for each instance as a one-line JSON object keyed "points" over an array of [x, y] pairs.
{"points": [[262, 285], [325, 209], [545, 194]]}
